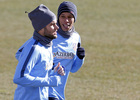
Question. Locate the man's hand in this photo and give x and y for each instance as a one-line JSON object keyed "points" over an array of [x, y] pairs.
{"points": [[59, 69]]}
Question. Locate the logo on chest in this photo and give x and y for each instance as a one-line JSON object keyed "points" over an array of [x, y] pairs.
{"points": [[63, 55], [49, 65]]}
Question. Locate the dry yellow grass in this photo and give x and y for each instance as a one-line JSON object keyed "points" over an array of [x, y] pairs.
{"points": [[110, 34]]}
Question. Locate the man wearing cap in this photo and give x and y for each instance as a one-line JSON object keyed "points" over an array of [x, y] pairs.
{"points": [[66, 47], [35, 57]]}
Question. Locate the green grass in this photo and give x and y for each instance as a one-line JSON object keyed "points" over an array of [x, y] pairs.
{"points": [[110, 35]]}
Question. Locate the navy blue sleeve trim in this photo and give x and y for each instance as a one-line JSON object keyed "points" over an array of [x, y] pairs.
{"points": [[27, 59]]}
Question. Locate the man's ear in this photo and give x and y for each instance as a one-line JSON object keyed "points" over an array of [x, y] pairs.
{"points": [[41, 32]]}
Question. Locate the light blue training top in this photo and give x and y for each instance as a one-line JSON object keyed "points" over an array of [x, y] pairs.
{"points": [[32, 74], [64, 51]]}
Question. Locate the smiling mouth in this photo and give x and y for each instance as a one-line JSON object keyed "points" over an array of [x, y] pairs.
{"points": [[66, 26]]}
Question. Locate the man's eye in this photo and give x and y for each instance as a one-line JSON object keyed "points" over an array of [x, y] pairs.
{"points": [[52, 24], [69, 17], [63, 16]]}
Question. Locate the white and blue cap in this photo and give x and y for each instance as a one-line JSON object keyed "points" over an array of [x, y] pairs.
{"points": [[41, 17]]}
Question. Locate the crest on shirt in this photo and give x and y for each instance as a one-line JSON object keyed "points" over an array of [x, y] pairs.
{"points": [[75, 46], [46, 66], [49, 65]]}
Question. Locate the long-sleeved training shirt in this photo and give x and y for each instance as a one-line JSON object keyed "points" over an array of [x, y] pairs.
{"points": [[64, 51], [32, 74]]}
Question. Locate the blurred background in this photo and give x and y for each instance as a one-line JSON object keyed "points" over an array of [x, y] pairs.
{"points": [[110, 33]]}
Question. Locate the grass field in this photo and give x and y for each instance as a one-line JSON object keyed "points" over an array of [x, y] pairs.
{"points": [[110, 32]]}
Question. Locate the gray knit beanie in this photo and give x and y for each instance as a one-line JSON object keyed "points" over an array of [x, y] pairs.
{"points": [[41, 16], [67, 6]]}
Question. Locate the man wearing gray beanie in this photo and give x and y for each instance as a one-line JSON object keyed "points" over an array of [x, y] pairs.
{"points": [[32, 74], [66, 47]]}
